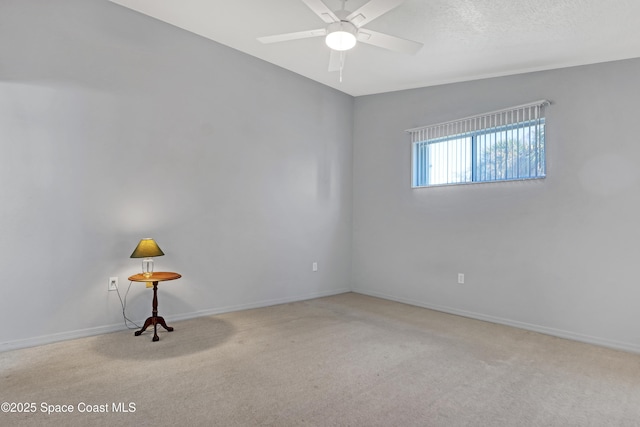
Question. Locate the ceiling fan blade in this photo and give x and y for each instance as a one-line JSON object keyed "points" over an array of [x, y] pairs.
{"points": [[371, 11], [293, 36], [321, 9], [386, 41], [336, 60]]}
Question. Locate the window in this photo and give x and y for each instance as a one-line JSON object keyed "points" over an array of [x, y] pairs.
{"points": [[499, 146]]}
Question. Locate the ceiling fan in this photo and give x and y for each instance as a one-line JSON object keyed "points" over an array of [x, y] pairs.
{"points": [[344, 30]]}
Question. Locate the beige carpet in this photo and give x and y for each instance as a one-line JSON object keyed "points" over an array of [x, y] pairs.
{"points": [[345, 360]]}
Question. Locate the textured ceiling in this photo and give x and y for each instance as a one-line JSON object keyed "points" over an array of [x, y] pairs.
{"points": [[463, 39]]}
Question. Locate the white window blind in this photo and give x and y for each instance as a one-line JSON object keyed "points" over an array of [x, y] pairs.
{"points": [[501, 145]]}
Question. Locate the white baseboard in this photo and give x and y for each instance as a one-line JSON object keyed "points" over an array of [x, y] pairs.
{"points": [[603, 342], [259, 304], [82, 333], [61, 336], [88, 332]]}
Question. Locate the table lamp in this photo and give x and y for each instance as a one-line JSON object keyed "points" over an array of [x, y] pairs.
{"points": [[146, 249]]}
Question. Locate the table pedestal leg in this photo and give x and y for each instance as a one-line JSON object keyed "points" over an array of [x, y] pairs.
{"points": [[154, 320]]}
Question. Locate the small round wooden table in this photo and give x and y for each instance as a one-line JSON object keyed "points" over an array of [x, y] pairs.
{"points": [[154, 320]]}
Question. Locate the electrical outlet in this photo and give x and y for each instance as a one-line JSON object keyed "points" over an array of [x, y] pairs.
{"points": [[461, 278], [113, 283], [314, 266]]}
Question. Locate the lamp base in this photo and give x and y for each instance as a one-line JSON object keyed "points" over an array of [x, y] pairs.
{"points": [[147, 267]]}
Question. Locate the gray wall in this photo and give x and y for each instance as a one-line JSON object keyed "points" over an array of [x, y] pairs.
{"points": [[114, 127], [557, 255]]}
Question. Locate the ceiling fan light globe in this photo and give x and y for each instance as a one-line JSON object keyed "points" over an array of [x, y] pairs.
{"points": [[341, 36], [340, 40]]}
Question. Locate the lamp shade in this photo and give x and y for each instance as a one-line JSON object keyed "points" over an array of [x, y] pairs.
{"points": [[147, 248]]}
